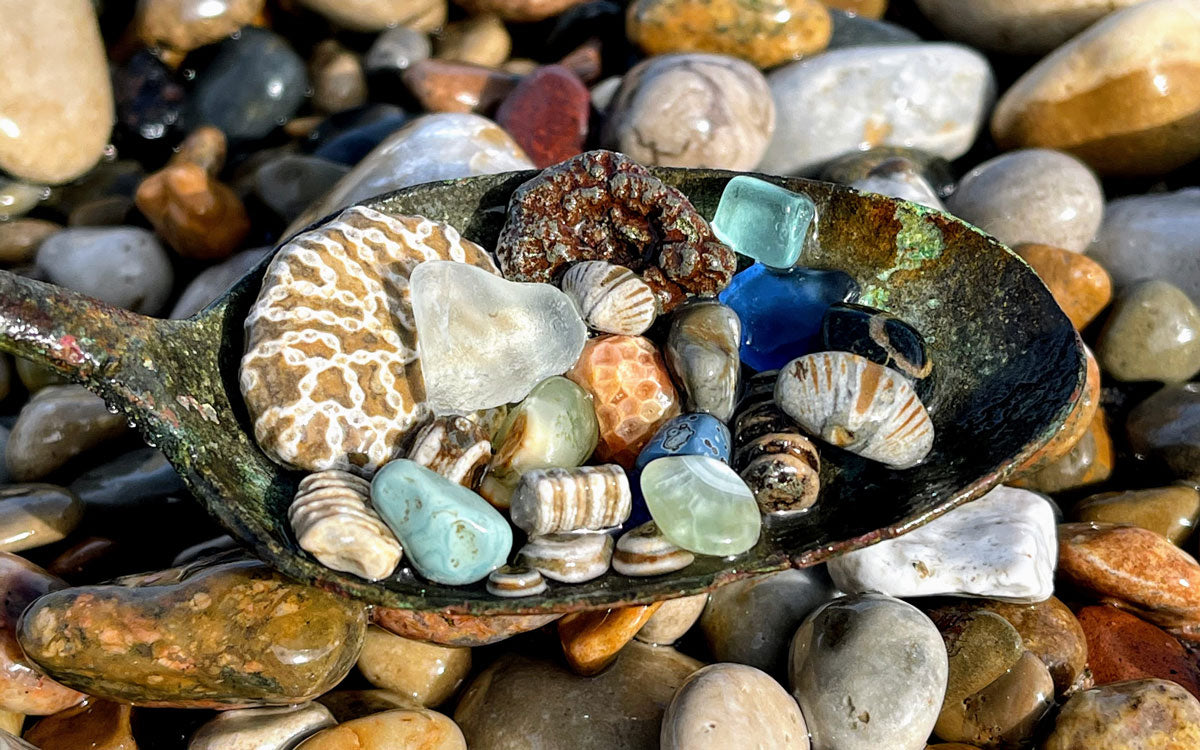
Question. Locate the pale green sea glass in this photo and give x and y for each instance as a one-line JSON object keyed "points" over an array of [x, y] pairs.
{"points": [[764, 221], [701, 505]]}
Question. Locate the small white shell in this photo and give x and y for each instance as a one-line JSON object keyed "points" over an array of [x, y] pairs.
{"points": [[335, 523], [585, 498], [570, 558], [454, 447], [858, 405], [644, 551], [611, 298], [512, 581]]}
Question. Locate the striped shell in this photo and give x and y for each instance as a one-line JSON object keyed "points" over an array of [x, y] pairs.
{"points": [[570, 558], [585, 498], [853, 403], [611, 298], [779, 464], [334, 522], [513, 581], [644, 551], [454, 447], [330, 375]]}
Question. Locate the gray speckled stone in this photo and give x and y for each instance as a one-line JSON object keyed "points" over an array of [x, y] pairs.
{"points": [[396, 49], [751, 621], [519, 703], [732, 706], [869, 672], [1152, 237], [1032, 195], [1153, 333], [214, 281], [123, 266], [274, 728], [931, 96]]}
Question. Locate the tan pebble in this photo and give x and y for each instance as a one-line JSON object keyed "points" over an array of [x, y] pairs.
{"points": [[353, 704], [592, 640], [338, 80], [33, 515], [481, 40], [11, 723], [20, 239], [345, 367], [268, 728], [585, 498], [855, 404], [184, 25], [391, 730], [569, 558], [454, 447], [513, 581], [1170, 511], [611, 298], [333, 521], [1132, 715], [424, 673], [732, 705], [378, 15], [95, 724], [644, 551], [672, 620]]}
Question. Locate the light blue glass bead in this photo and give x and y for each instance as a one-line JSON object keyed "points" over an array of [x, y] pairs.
{"points": [[450, 534], [701, 505], [764, 221], [685, 435]]}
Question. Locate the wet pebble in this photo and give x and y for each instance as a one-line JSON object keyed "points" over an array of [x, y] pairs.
{"points": [[20, 239], [1080, 285], [58, 424], [1150, 237], [1126, 716], [456, 630], [1122, 646], [592, 640], [398, 728], [96, 724], [34, 515], [732, 705], [184, 25], [1170, 511], [123, 266], [424, 673], [547, 115], [338, 80], [395, 49], [1166, 429], [672, 620], [215, 280], [261, 728], [1153, 333], [479, 40]]}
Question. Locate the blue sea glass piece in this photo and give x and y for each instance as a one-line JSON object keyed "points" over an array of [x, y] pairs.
{"points": [[450, 534], [764, 221], [687, 435], [781, 312]]}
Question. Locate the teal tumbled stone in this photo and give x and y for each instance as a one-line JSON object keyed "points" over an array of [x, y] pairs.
{"points": [[449, 534], [764, 221], [701, 505]]}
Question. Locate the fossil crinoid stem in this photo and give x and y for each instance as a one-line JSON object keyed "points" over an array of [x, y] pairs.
{"points": [[335, 523]]}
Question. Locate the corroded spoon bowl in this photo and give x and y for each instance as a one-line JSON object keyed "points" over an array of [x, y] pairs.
{"points": [[1009, 367]]}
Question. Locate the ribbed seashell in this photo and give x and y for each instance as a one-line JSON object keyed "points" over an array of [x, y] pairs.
{"points": [[644, 551], [569, 558], [611, 298], [778, 464], [333, 521], [454, 447], [584, 498], [513, 581], [853, 403]]}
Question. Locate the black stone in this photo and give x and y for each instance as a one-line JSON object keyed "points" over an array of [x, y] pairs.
{"points": [[879, 336]]}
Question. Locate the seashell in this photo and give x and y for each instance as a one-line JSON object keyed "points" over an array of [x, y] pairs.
{"points": [[512, 581], [610, 298], [853, 403], [644, 551], [585, 498], [454, 447], [570, 558], [335, 523], [779, 464]]}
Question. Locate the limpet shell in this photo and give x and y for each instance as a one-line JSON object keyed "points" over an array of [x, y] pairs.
{"points": [[644, 551], [333, 521], [853, 403], [454, 447], [585, 498], [569, 558], [331, 375], [610, 298], [512, 581]]}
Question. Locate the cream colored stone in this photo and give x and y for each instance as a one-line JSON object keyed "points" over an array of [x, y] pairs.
{"points": [[377, 15], [425, 672], [56, 103], [400, 729], [1021, 27], [674, 618]]}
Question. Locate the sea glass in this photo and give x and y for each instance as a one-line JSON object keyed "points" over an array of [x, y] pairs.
{"points": [[701, 505], [763, 221]]}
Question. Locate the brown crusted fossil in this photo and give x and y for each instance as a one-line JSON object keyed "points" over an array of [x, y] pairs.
{"points": [[602, 205]]}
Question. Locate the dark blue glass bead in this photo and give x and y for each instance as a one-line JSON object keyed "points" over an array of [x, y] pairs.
{"points": [[781, 312], [687, 434]]}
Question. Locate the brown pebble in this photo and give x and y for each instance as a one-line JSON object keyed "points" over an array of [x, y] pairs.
{"points": [[338, 80], [456, 630], [95, 725], [547, 115], [1080, 285], [1090, 461], [184, 25], [1170, 511], [34, 515], [480, 40], [197, 216], [206, 147], [443, 86], [592, 640], [1126, 647], [20, 239], [1079, 420]]}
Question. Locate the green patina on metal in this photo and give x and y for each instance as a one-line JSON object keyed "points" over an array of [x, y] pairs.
{"points": [[177, 380]]}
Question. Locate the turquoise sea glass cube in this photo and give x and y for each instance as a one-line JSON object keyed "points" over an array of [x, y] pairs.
{"points": [[764, 221]]}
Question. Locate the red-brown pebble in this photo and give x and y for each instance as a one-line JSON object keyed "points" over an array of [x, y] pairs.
{"points": [[455, 630], [444, 86], [547, 114], [197, 215], [1134, 569], [1125, 647]]}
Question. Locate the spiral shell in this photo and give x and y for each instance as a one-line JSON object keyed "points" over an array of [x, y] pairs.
{"points": [[569, 558], [454, 447], [611, 298], [585, 498], [334, 522], [512, 581], [853, 403], [644, 551]]}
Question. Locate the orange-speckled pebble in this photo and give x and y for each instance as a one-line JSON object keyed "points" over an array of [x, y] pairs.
{"points": [[592, 640], [1134, 569], [1133, 715], [631, 390], [1080, 285]]}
